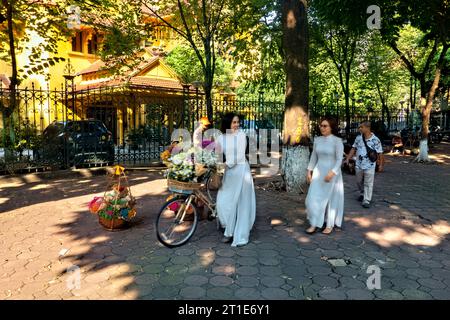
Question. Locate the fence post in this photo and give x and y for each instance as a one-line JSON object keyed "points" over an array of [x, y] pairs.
{"points": [[69, 76], [260, 104], [185, 111]]}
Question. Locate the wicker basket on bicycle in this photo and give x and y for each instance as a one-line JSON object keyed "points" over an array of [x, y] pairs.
{"points": [[183, 187]]}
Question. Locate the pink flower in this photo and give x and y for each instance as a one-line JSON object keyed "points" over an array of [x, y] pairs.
{"points": [[205, 143], [176, 150], [174, 206]]}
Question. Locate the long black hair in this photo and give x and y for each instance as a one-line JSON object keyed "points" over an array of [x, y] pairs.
{"points": [[226, 121]]}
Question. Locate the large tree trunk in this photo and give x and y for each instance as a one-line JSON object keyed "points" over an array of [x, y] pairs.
{"points": [[426, 103], [296, 136]]}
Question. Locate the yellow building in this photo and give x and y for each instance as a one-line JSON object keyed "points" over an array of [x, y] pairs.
{"points": [[121, 102], [81, 49], [150, 94]]}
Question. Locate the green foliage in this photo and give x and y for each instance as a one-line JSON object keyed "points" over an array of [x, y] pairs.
{"points": [[209, 27], [258, 52], [136, 137], [26, 137], [381, 73], [32, 20], [185, 63], [379, 76]]}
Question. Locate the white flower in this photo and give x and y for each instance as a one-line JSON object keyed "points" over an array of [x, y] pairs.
{"points": [[178, 158]]}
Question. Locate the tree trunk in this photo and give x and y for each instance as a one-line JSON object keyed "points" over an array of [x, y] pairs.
{"points": [[347, 103], [296, 136], [12, 51], [347, 113], [345, 85], [388, 116], [209, 104], [8, 113], [209, 78], [294, 162], [426, 102]]}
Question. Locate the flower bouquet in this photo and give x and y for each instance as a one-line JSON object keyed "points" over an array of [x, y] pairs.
{"points": [[186, 167]]}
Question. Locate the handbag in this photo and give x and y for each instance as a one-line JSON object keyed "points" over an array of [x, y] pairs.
{"points": [[371, 153], [215, 181]]}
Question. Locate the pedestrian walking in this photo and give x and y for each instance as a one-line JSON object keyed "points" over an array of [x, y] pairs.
{"points": [[325, 199], [368, 150], [236, 201]]}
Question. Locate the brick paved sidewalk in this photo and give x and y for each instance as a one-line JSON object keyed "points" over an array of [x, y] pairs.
{"points": [[45, 229]]}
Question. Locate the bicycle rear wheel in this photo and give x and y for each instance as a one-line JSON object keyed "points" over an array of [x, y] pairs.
{"points": [[176, 221]]}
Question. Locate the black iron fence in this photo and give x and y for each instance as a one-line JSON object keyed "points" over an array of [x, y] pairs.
{"points": [[96, 127], [384, 125], [132, 126]]}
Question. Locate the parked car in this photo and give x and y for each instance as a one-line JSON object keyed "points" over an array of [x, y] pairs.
{"points": [[76, 142]]}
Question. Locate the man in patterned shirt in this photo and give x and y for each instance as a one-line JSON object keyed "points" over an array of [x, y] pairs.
{"points": [[365, 168]]}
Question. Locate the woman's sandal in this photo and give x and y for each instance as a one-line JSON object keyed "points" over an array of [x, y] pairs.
{"points": [[327, 230], [226, 239], [310, 230]]}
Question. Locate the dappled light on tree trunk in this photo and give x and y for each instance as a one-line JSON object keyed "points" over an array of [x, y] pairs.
{"points": [[296, 121]]}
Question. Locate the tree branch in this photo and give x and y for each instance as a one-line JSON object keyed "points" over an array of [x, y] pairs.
{"points": [[352, 52], [180, 32], [213, 56], [439, 66], [190, 38], [430, 57], [329, 49], [205, 18], [199, 30], [377, 84], [215, 24], [405, 60]]}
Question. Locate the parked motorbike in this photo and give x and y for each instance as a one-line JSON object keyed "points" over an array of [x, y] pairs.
{"points": [[435, 135]]}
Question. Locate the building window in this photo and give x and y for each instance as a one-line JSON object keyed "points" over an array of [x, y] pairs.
{"points": [[77, 42], [92, 44]]}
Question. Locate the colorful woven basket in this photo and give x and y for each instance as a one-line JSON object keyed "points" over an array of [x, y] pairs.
{"points": [[112, 224]]}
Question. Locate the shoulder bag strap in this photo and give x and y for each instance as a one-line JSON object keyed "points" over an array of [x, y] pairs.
{"points": [[365, 143]]}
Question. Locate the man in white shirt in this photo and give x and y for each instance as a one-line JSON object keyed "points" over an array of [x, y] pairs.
{"points": [[365, 168]]}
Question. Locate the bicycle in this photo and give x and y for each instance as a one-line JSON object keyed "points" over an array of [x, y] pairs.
{"points": [[178, 218]]}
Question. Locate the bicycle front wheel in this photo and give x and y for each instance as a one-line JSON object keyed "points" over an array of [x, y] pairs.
{"points": [[176, 222]]}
